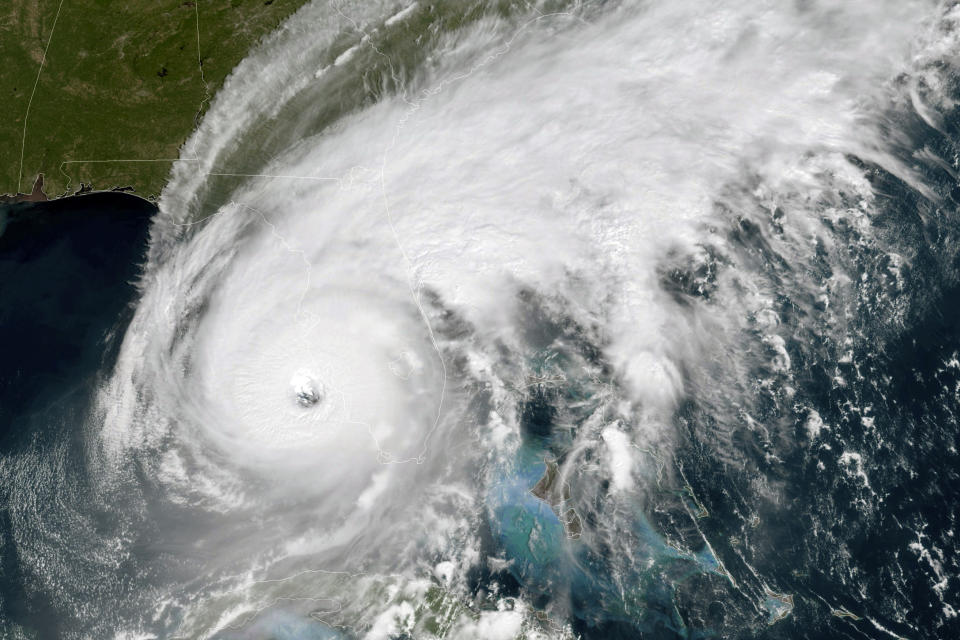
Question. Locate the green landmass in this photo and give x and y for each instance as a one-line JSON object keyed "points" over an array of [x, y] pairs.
{"points": [[121, 80]]}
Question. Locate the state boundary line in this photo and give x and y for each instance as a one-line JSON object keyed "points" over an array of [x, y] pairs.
{"points": [[26, 115], [23, 142]]}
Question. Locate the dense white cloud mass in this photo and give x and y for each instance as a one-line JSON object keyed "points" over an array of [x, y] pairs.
{"points": [[344, 317]]}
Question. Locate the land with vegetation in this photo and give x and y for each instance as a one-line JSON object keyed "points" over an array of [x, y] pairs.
{"points": [[101, 94]]}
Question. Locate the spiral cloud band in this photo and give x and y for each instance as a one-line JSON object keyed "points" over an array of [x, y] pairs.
{"points": [[417, 321]]}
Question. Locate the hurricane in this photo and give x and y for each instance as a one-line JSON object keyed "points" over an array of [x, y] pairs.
{"points": [[507, 320]]}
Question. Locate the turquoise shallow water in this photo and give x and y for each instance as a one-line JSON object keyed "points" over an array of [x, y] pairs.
{"points": [[711, 280], [547, 562]]}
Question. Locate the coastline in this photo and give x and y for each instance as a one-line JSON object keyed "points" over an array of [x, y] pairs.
{"points": [[37, 194], [115, 115]]}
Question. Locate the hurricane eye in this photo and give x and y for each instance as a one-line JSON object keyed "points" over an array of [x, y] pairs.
{"points": [[306, 389]]}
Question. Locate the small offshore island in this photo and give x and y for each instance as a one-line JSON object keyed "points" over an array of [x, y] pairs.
{"points": [[119, 89]]}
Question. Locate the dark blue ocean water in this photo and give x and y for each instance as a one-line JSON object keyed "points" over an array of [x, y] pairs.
{"points": [[876, 535], [67, 274], [866, 546]]}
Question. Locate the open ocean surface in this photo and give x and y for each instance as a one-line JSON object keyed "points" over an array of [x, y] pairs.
{"points": [[556, 336]]}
